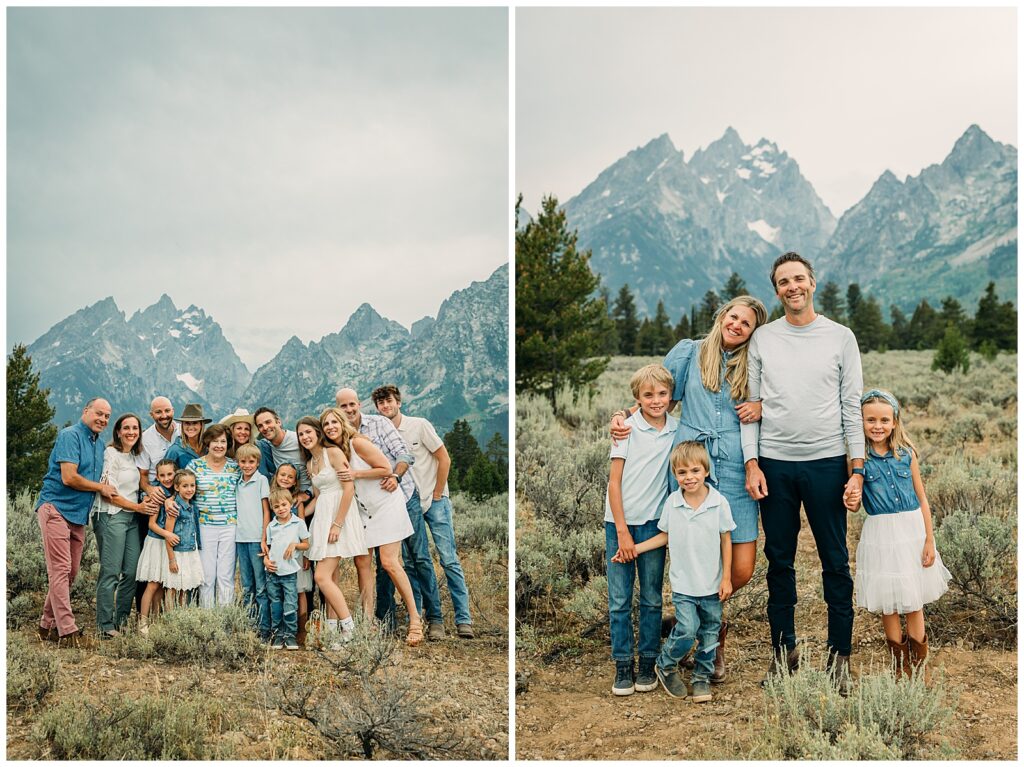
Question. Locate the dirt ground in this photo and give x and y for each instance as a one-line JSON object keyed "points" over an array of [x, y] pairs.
{"points": [[567, 710], [463, 683]]}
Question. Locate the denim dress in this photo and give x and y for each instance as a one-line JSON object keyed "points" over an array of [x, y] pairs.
{"points": [[710, 417]]}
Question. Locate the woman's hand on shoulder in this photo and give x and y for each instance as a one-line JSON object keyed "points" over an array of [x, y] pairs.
{"points": [[619, 428], [340, 463]]}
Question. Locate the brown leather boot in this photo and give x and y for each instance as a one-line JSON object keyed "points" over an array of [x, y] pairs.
{"points": [[300, 635], [789, 664], [838, 667], [900, 652], [719, 673], [918, 655]]}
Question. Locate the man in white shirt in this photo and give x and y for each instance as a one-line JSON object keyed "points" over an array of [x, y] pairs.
{"points": [[430, 472]]}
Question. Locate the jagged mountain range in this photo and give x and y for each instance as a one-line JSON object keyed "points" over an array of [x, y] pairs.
{"points": [[449, 367], [673, 229]]}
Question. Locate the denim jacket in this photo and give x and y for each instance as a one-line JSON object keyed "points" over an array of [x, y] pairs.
{"points": [[888, 484], [186, 527], [180, 453]]}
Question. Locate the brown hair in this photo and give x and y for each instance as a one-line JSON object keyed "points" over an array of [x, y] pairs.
{"points": [[785, 258], [308, 420], [383, 392], [279, 495], [213, 432], [115, 440], [690, 453]]}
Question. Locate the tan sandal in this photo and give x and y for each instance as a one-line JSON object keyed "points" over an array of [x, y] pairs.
{"points": [[415, 636]]}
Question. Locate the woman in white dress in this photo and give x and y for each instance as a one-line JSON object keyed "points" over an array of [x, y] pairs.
{"points": [[336, 530], [384, 517]]}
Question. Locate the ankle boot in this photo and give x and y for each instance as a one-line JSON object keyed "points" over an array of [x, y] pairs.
{"points": [[300, 635], [900, 652], [918, 655], [719, 674]]}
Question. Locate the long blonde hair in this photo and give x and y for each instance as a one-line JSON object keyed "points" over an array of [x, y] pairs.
{"points": [[348, 431], [711, 352], [899, 440]]}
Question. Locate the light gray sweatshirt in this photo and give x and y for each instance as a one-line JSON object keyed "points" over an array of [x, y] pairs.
{"points": [[809, 381]]}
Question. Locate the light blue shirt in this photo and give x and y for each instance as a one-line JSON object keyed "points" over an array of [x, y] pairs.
{"points": [[80, 445], [249, 497], [280, 537], [695, 542], [645, 474]]}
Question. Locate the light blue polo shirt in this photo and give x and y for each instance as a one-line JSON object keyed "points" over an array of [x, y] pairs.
{"points": [[80, 445], [645, 474], [280, 537], [249, 497], [695, 542]]}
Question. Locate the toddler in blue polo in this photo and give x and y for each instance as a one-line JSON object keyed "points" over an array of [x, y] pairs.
{"points": [[286, 536], [696, 524]]}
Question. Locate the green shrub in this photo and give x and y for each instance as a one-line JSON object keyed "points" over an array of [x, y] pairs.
{"points": [[551, 563], [31, 674], [885, 717], [151, 727], [221, 636], [482, 524], [590, 604]]}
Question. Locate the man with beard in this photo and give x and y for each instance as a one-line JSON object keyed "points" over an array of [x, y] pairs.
{"points": [[155, 442], [278, 446], [415, 549]]}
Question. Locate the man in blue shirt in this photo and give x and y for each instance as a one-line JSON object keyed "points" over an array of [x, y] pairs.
{"points": [[416, 548], [69, 487]]}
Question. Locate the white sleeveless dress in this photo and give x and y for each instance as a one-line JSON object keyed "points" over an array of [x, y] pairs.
{"points": [[385, 518], [350, 540]]}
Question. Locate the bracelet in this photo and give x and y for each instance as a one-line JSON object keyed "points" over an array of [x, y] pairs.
{"points": [[335, 524]]}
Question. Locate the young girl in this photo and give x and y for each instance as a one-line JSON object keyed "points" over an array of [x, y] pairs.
{"points": [[898, 568], [152, 560], [287, 478], [183, 569]]}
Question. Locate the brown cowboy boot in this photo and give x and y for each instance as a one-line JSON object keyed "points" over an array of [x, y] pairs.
{"points": [[790, 663], [719, 673], [300, 635], [900, 652], [838, 667], [918, 655]]}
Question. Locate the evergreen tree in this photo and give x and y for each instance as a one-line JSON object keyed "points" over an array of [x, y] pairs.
{"points": [[734, 286], [626, 323], [482, 480], [30, 435], [952, 313], [853, 298], [832, 303], [497, 454], [559, 323], [952, 352], [899, 333], [777, 312], [646, 339], [706, 314], [682, 330], [868, 326], [994, 322], [925, 327], [611, 338], [463, 450], [662, 330]]}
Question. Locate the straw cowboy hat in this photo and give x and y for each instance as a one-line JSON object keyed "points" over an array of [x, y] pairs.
{"points": [[239, 416], [193, 412]]}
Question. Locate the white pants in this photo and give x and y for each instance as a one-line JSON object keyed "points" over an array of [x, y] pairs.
{"points": [[218, 557]]}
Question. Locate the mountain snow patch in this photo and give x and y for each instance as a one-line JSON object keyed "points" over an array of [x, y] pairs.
{"points": [[175, 332], [705, 180], [764, 166], [190, 381], [55, 344], [721, 195], [606, 193], [765, 231], [743, 173]]}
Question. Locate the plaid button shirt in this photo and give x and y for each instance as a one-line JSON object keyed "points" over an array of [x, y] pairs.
{"points": [[386, 437]]}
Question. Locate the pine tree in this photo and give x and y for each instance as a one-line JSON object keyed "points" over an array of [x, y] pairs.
{"points": [[868, 326], [646, 339], [899, 333], [497, 454], [952, 313], [662, 330], [559, 322], [682, 330], [925, 327], [832, 304], [952, 352], [626, 323], [853, 298], [30, 435], [706, 314], [778, 312], [611, 338], [734, 286], [482, 480], [463, 449]]}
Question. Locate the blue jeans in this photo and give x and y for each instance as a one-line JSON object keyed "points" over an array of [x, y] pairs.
{"points": [[649, 568], [254, 585], [439, 520], [698, 619], [283, 596], [418, 566]]}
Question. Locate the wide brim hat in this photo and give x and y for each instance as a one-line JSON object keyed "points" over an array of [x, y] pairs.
{"points": [[193, 412], [241, 415]]}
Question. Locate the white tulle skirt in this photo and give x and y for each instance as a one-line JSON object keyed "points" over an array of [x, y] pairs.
{"points": [[890, 577], [190, 571], [152, 561]]}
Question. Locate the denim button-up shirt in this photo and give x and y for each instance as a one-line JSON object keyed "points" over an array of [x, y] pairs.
{"points": [[186, 526], [706, 416], [888, 484]]}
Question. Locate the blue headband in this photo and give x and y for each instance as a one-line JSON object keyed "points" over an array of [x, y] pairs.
{"points": [[878, 393]]}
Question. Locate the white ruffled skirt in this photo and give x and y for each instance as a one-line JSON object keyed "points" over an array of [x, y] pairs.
{"points": [[890, 577], [152, 561]]}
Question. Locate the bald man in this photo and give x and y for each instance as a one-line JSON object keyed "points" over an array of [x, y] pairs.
{"points": [[416, 548], [70, 485], [155, 441]]}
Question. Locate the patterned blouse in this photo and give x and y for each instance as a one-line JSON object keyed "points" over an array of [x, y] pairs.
{"points": [[215, 492]]}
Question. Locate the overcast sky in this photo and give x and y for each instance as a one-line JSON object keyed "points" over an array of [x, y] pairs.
{"points": [[848, 93], [275, 167]]}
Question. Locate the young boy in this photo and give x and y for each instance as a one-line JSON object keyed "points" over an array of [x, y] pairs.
{"points": [[286, 534], [696, 522], [251, 535], [637, 488]]}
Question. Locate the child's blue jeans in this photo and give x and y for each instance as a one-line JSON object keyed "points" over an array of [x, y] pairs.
{"points": [[284, 606], [649, 569], [698, 619]]}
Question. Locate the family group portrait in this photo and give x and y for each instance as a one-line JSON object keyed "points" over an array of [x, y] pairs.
{"points": [[257, 384], [766, 411]]}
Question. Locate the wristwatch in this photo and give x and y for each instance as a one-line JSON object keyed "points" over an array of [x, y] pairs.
{"points": [[397, 478], [857, 470]]}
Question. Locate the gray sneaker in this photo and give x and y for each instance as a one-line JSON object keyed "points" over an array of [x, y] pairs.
{"points": [[623, 684], [435, 632], [646, 679], [671, 681], [701, 692]]}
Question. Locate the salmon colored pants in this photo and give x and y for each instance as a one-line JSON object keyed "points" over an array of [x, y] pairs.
{"points": [[62, 547]]}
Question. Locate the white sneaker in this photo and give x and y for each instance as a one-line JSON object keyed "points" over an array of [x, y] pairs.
{"points": [[293, 645], [339, 639]]}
